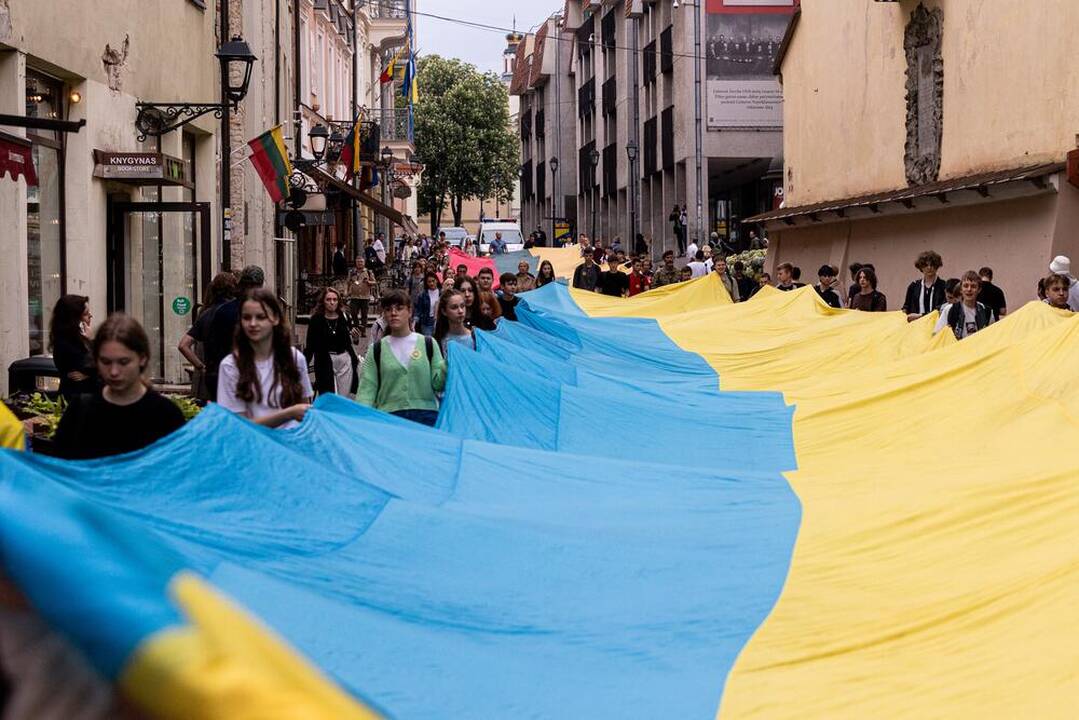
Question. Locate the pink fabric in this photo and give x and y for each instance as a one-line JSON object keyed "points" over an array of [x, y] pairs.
{"points": [[473, 264]]}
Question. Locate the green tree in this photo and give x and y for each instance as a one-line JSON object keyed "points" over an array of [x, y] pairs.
{"points": [[463, 136]]}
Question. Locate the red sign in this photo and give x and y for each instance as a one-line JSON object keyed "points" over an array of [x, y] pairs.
{"points": [[16, 158], [1073, 167], [759, 7]]}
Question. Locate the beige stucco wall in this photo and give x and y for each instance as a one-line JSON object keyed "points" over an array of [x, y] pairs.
{"points": [[166, 40], [1017, 238], [1011, 92]]}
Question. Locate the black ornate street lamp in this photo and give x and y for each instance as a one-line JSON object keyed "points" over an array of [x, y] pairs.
{"points": [[318, 136], [631, 153], [157, 118], [334, 146]]}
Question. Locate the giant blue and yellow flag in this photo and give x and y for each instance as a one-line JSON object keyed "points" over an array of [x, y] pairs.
{"points": [[670, 506]]}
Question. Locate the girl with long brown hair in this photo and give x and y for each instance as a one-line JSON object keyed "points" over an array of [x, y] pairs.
{"points": [[265, 379], [329, 344], [126, 414]]}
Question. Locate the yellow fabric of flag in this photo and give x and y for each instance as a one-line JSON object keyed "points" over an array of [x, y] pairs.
{"points": [[936, 571]]}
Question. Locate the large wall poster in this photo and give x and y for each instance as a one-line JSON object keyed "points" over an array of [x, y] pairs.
{"points": [[744, 37]]}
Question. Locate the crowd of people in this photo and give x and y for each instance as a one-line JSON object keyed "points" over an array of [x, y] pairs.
{"points": [[966, 304], [241, 346]]}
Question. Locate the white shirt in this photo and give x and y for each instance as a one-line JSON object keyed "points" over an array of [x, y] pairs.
{"points": [[433, 295], [402, 347], [970, 320], [229, 376], [691, 251], [380, 250], [700, 269]]}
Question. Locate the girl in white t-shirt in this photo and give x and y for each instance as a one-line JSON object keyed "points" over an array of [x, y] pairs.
{"points": [[265, 379]]}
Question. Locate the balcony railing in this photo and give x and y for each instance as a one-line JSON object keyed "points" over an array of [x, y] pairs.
{"points": [[396, 125], [388, 10]]}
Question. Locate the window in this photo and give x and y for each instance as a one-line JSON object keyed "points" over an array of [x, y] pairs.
{"points": [[44, 210], [305, 69], [316, 63]]}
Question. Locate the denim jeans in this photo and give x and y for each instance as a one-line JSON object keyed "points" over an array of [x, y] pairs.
{"points": [[423, 417]]}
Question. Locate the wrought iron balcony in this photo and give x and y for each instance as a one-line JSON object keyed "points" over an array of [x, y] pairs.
{"points": [[396, 125], [387, 10]]}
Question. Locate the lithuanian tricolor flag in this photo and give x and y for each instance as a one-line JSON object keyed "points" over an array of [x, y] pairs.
{"points": [[270, 158]]}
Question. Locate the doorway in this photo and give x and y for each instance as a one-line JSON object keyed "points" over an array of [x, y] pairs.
{"points": [[159, 263]]}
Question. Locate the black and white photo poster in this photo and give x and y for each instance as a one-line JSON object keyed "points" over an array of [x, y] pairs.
{"points": [[743, 39]]}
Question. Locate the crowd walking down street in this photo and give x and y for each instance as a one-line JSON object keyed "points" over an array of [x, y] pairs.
{"points": [[243, 353], [562, 359]]}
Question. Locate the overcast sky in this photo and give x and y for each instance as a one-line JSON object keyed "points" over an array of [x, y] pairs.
{"points": [[482, 48]]}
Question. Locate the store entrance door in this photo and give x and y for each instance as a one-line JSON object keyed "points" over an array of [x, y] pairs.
{"points": [[159, 262]]}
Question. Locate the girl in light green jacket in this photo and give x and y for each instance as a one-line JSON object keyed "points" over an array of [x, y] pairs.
{"points": [[404, 369]]}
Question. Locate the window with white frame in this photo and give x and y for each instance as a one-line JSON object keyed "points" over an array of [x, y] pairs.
{"points": [[316, 64], [305, 65]]}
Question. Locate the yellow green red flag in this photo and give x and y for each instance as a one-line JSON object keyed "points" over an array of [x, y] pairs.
{"points": [[270, 158]]}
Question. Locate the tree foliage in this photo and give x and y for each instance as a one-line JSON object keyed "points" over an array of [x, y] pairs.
{"points": [[463, 137]]}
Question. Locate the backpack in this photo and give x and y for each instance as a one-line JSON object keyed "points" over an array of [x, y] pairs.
{"points": [[377, 351], [956, 318]]}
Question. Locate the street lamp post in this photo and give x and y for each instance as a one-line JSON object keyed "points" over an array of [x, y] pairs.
{"points": [[554, 199], [318, 136], [155, 119], [594, 158], [388, 161], [631, 153]]}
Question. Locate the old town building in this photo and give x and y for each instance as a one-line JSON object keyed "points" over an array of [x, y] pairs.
{"points": [[932, 125], [668, 104]]}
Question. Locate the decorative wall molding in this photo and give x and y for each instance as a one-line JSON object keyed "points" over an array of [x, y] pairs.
{"points": [[925, 94]]}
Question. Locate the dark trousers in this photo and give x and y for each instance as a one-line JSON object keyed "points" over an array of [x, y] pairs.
{"points": [[359, 312], [423, 417], [680, 235]]}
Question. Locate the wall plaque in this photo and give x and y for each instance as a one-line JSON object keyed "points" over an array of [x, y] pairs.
{"points": [[925, 94]]}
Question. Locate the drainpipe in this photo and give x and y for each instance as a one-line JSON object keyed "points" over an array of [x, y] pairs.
{"points": [[357, 234], [297, 132], [697, 107], [226, 150]]}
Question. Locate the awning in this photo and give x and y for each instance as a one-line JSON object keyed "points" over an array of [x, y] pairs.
{"points": [[983, 187], [16, 158], [380, 208]]}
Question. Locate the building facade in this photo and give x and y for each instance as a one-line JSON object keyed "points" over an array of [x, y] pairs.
{"points": [[544, 87], [928, 129], [665, 111], [95, 222], [135, 220]]}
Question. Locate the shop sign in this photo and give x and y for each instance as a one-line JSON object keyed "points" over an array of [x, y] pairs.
{"points": [[142, 168], [181, 305], [562, 231]]}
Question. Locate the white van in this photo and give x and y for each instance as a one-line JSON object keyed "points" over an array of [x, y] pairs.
{"points": [[511, 235]]}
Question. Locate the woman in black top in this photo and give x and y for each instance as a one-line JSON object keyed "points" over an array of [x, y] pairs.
{"points": [[329, 344], [126, 415], [545, 274], [68, 329]]}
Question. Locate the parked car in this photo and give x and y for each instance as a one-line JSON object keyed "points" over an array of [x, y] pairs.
{"points": [[511, 234], [455, 236]]}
